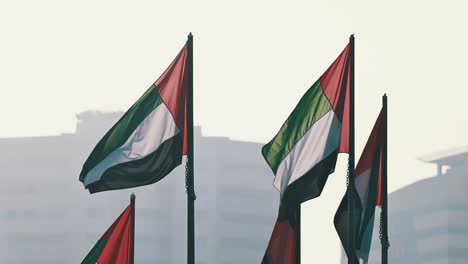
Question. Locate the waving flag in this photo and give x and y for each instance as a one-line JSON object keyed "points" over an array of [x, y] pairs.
{"points": [[149, 140], [116, 245], [304, 152], [368, 187]]}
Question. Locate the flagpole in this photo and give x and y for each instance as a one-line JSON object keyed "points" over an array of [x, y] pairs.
{"points": [[190, 159], [351, 233], [132, 250], [384, 241]]}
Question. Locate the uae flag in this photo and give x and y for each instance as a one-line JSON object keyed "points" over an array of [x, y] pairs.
{"points": [[367, 194], [116, 245], [304, 151], [149, 140]]}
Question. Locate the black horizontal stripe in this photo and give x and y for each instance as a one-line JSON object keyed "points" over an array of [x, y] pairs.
{"points": [[147, 170], [122, 130], [341, 221], [310, 185]]}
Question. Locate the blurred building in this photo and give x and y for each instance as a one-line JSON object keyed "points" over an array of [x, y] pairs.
{"points": [[428, 220], [48, 217]]}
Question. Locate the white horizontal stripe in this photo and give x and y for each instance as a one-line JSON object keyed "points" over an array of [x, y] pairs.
{"points": [[317, 143], [156, 128]]}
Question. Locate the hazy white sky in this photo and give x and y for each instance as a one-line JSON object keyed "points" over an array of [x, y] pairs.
{"points": [[253, 61]]}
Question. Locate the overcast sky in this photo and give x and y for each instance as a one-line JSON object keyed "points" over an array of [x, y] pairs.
{"points": [[253, 62]]}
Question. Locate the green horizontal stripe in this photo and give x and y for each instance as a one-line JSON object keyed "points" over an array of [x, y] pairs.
{"points": [[95, 252], [312, 106], [120, 132]]}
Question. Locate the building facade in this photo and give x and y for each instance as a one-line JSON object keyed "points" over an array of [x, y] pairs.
{"points": [[48, 217]]}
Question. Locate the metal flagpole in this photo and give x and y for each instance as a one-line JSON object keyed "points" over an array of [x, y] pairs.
{"points": [[189, 180], [351, 230], [384, 216], [132, 205]]}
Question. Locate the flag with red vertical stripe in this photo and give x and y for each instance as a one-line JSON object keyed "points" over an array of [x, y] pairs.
{"points": [[304, 152], [367, 191], [115, 246], [148, 142]]}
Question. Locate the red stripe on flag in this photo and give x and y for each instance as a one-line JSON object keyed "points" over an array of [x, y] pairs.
{"points": [[337, 92], [374, 143], [374, 147], [282, 245], [118, 248], [173, 88], [379, 197]]}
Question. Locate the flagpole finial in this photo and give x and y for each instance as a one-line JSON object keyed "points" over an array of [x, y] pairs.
{"points": [[132, 197]]}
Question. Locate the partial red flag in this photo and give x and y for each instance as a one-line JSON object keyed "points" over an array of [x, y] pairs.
{"points": [[282, 248], [115, 246]]}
